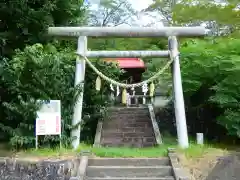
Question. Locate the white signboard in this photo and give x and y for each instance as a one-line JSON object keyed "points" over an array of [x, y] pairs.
{"points": [[52, 106], [48, 121], [48, 124]]}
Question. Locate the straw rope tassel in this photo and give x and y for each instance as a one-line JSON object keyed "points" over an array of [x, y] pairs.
{"points": [[151, 89], [124, 96], [98, 83]]}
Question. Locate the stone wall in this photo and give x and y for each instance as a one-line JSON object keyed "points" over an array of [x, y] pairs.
{"points": [[15, 169]]}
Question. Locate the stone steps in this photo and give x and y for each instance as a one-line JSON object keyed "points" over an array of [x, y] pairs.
{"points": [[129, 161], [135, 116], [132, 178], [128, 120], [128, 127], [115, 109], [129, 145], [129, 142], [127, 134], [129, 169], [130, 139]]}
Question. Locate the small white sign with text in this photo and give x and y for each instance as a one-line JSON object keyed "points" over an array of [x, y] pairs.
{"points": [[48, 121], [48, 124]]}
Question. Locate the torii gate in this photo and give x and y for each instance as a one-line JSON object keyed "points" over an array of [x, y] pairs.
{"points": [[171, 32]]}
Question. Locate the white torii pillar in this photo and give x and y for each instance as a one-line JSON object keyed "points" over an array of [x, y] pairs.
{"points": [[79, 80], [178, 94]]}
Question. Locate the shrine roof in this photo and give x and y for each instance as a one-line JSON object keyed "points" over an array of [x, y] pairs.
{"points": [[127, 62]]}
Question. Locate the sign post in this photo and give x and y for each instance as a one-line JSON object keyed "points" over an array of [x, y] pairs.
{"points": [[48, 121]]}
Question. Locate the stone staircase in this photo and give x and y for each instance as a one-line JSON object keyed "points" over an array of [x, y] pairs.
{"points": [[129, 169], [128, 127]]}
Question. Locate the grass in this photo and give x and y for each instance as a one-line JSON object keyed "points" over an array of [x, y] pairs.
{"points": [[160, 151], [193, 151], [196, 151], [46, 152], [99, 152], [127, 152]]}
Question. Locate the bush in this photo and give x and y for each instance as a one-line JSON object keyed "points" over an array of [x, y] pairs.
{"points": [[42, 72], [210, 71]]}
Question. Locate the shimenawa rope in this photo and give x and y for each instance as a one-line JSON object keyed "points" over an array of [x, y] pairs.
{"points": [[124, 85]]}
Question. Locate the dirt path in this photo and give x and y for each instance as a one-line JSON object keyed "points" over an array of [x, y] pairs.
{"points": [[216, 165], [227, 168]]}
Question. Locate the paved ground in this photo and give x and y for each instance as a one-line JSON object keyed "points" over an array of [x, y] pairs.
{"points": [[227, 168]]}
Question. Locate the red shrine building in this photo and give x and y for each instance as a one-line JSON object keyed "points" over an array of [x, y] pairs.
{"points": [[134, 68]]}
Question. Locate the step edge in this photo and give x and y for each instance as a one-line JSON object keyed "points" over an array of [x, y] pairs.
{"points": [[100, 158], [137, 178], [130, 167]]}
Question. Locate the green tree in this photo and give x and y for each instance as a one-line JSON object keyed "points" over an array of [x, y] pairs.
{"points": [[209, 66], [220, 19], [26, 21], [209, 70], [111, 13], [42, 72]]}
